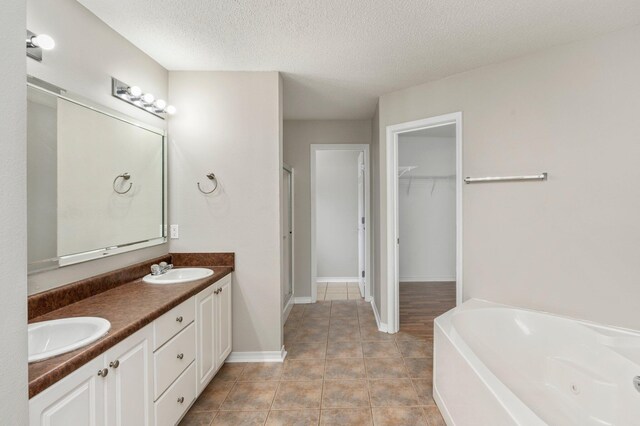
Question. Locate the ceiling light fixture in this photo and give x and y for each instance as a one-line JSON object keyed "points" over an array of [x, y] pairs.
{"points": [[36, 43], [135, 96]]}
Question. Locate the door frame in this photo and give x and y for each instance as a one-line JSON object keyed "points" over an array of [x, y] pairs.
{"points": [[287, 308], [314, 149], [393, 232]]}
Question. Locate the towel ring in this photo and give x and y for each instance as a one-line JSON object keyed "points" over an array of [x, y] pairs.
{"points": [[212, 178], [124, 176]]}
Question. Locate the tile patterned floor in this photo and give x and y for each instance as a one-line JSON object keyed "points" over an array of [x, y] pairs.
{"points": [[340, 370], [338, 291]]}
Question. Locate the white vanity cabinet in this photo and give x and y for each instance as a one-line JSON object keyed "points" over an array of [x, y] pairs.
{"points": [[223, 321], [112, 389], [76, 400], [128, 397], [213, 323], [150, 378]]}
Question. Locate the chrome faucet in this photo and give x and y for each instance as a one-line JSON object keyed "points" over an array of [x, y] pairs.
{"points": [[160, 269]]}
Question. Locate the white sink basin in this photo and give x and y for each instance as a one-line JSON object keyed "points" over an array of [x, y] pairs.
{"points": [[50, 338], [178, 275]]}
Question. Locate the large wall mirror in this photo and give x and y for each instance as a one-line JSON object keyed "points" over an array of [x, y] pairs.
{"points": [[96, 180]]}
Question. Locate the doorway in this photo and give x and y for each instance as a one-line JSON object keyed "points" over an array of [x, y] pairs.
{"points": [[340, 238], [287, 241], [424, 221]]}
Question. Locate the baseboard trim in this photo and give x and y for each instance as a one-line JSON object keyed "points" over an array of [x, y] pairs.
{"points": [[337, 279], [381, 326], [262, 356], [287, 309], [427, 279], [302, 300]]}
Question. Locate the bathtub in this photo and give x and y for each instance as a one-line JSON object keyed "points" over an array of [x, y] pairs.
{"points": [[499, 365]]}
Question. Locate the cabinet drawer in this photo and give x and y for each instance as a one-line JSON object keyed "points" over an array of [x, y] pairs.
{"points": [[170, 324], [169, 409], [173, 358]]}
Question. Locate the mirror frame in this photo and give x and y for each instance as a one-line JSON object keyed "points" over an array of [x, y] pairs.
{"points": [[100, 253]]}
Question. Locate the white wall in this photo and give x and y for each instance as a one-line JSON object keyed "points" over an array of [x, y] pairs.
{"points": [[87, 54], [337, 214], [298, 136], [229, 124], [427, 209], [13, 217], [569, 245]]}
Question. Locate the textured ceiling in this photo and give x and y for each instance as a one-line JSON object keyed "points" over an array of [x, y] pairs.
{"points": [[338, 56]]}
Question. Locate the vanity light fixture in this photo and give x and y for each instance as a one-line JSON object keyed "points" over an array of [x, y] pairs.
{"points": [[135, 96], [36, 43]]}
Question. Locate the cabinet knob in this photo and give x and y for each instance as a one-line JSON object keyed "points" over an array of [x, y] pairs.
{"points": [[180, 355], [114, 364], [179, 319], [103, 372], [181, 399]]}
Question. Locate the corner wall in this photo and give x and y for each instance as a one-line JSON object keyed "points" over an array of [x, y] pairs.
{"points": [[298, 137], [87, 53], [229, 124], [569, 245], [13, 217]]}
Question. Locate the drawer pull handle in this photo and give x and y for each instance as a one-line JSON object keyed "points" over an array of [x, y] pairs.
{"points": [[103, 372], [180, 355], [114, 364], [181, 399], [179, 319]]}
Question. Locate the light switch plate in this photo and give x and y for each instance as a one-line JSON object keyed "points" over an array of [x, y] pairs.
{"points": [[175, 234]]}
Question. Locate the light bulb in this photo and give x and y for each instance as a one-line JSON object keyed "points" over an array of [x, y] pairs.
{"points": [[135, 91], [171, 109], [43, 41], [148, 98], [160, 104]]}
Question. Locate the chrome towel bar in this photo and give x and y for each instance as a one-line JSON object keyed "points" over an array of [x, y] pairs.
{"points": [[542, 176]]}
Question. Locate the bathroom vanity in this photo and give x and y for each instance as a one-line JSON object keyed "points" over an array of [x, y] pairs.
{"points": [[97, 187], [165, 345]]}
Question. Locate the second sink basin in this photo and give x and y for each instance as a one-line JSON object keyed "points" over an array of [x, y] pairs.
{"points": [[178, 275], [50, 338]]}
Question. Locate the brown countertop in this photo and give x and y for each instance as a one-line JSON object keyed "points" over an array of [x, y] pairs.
{"points": [[129, 307]]}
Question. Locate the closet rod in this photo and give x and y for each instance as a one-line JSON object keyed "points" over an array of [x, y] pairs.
{"points": [[542, 176]]}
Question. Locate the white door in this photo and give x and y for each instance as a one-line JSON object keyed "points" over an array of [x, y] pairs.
{"points": [[77, 400], [361, 224], [223, 319], [206, 325], [129, 400], [287, 237]]}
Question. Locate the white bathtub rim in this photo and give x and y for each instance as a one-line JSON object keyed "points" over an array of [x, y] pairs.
{"points": [[512, 405], [475, 303]]}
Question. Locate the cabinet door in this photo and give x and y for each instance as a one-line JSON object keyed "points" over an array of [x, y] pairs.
{"points": [[76, 400], [223, 320], [129, 400], [206, 365]]}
